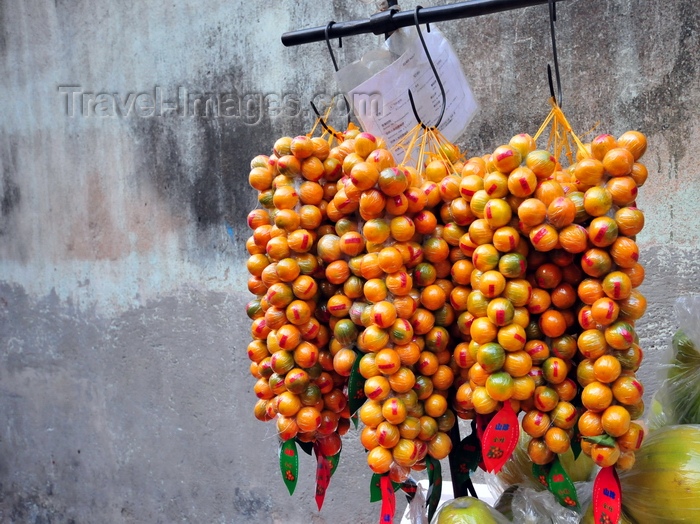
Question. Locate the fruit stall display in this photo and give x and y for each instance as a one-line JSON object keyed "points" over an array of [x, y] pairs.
{"points": [[400, 293]]}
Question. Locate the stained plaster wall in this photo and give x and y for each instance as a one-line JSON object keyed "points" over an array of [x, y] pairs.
{"points": [[124, 387]]}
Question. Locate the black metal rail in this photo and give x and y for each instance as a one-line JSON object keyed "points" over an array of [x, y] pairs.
{"points": [[392, 19]]}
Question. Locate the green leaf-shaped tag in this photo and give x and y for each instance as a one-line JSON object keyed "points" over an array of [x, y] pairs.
{"points": [[356, 389], [289, 464], [375, 489], [334, 462], [605, 440], [561, 485], [541, 473], [434, 484]]}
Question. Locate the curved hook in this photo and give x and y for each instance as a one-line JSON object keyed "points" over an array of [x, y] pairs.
{"points": [[328, 43], [335, 134], [335, 66], [437, 76], [552, 19]]}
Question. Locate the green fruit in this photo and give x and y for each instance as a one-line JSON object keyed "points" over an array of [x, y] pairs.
{"points": [[684, 348], [467, 510], [664, 485]]}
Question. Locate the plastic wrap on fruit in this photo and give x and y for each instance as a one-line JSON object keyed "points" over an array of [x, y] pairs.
{"points": [[678, 399], [664, 484], [529, 506], [467, 510]]}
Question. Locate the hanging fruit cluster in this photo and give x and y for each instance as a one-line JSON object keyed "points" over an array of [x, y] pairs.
{"points": [[553, 297], [450, 288], [296, 383]]}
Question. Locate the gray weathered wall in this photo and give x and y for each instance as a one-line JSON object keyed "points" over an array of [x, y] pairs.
{"points": [[124, 387]]}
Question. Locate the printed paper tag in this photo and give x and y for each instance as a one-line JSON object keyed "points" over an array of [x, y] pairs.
{"points": [[500, 439], [388, 500], [289, 464], [381, 102], [607, 497], [323, 478]]}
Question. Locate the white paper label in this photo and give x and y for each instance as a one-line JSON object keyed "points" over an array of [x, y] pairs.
{"points": [[381, 103]]}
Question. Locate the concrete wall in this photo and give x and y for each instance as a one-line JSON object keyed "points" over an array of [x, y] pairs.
{"points": [[124, 388]]}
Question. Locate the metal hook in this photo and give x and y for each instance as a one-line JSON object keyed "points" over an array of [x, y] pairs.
{"points": [[437, 76], [552, 19], [335, 66]]}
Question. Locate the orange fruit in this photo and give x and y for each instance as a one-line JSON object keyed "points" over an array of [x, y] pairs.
{"points": [[597, 262], [632, 438], [538, 451], [522, 181], [605, 311], [535, 423], [500, 386], [557, 440], [573, 238], [308, 418], [597, 201], [590, 424], [517, 363], [627, 390], [589, 171], [440, 446], [635, 142], [545, 398], [639, 174], [555, 370], [592, 344], [483, 402], [616, 421], [564, 415], [596, 396], [618, 161], [379, 459], [605, 456], [561, 212], [623, 190], [544, 237]]}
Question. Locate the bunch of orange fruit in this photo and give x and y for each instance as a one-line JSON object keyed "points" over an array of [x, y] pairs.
{"points": [[290, 358], [452, 287], [553, 297]]}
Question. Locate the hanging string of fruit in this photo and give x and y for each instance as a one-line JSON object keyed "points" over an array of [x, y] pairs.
{"points": [[510, 278]]}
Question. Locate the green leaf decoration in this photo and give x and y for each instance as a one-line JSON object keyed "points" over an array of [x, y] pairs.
{"points": [[375, 489], [561, 486], [605, 440], [541, 473], [434, 484], [334, 462], [289, 464]]}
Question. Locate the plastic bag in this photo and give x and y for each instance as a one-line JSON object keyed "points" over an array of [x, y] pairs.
{"points": [[377, 86], [417, 507], [664, 484], [529, 506], [678, 399]]}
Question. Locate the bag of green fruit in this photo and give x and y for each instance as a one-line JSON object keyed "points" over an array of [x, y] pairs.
{"points": [[678, 399]]}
